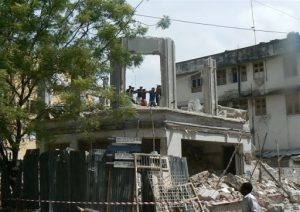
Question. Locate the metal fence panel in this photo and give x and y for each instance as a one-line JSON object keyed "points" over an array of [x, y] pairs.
{"points": [[179, 169], [122, 186], [5, 189], [31, 178], [75, 176], [147, 193], [78, 178], [44, 180], [97, 178]]}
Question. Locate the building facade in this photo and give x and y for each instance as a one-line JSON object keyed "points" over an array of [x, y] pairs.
{"points": [[265, 80]]}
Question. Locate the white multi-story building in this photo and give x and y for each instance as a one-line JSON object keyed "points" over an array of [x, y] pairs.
{"points": [[265, 80]]}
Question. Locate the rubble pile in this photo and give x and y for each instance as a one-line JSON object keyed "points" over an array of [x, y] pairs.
{"points": [[272, 197]]}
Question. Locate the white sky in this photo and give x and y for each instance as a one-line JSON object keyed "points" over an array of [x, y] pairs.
{"points": [[192, 41]]}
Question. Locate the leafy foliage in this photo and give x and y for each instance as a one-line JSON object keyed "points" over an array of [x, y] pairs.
{"points": [[63, 47], [164, 22]]}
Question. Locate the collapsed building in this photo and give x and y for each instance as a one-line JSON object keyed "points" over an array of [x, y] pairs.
{"points": [[209, 138]]}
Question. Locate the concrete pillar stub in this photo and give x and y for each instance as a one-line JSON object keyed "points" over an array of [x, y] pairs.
{"points": [[210, 87], [165, 48]]}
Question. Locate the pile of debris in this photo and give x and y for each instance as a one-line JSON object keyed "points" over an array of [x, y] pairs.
{"points": [[271, 195]]}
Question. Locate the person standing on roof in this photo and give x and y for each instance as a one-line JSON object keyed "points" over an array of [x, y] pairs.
{"points": [[130, 92], [152, 97], [143, 101], [139, 95], [249, 203], [158, 94]]}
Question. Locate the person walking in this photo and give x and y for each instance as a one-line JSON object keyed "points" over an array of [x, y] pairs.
{"points": [[249, 203]]}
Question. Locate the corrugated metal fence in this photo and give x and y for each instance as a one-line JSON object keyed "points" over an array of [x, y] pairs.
{"points": [[61, 180]]}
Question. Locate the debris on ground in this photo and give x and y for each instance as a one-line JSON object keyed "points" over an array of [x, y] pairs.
{"points": [[271, 196]]}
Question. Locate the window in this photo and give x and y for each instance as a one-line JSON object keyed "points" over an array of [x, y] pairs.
{"points": [[234, 75], [292, 103], [258, 70], [221, 77], [196, 83], [260, 106], [290, 65], [243, 71]]}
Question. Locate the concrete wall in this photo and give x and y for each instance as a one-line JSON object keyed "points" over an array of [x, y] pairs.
{"points": [[281, 128], [184, 92], [293, 125], [275, 78], [274, 123]]}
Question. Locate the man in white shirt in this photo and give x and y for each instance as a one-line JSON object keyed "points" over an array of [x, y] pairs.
{"points": [[249, 203]]}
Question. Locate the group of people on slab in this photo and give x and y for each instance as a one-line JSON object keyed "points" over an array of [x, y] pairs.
{"points": [[154, 95]]}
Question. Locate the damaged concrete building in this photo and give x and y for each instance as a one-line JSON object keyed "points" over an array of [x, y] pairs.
{"points": [[263, 79], [207, 140]]}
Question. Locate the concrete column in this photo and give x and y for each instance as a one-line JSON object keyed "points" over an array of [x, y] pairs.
{"points": [[174, 143], [163, 146], [210, 87], [168, 74], [118, 80]]}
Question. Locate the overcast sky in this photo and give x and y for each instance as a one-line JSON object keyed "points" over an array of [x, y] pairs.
{"points": [[194, 40]]}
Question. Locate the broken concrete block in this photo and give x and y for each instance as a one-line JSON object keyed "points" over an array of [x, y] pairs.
{"points": [[227, 196], [270, 184], [295, 196], [225, 190], [234, 181], [237, 195], [202, 176], [296, 207], [208, 194], [276, 207], [223, 185]]}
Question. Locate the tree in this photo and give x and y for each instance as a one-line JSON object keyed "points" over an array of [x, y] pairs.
{"points": [[65, 47]]}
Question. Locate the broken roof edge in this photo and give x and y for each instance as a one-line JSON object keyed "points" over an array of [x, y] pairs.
{"points": [[160, 114], [242, 133], [198, 114]]}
